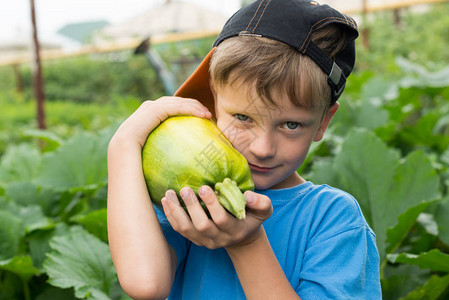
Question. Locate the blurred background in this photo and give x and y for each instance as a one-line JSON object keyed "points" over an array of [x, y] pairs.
{"points": [[72, 71]]}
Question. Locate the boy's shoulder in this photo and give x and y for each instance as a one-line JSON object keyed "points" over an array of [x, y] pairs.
{"points": [[335, 211], [326, 210], [321, 196]]}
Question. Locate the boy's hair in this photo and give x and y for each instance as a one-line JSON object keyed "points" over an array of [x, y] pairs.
{"points": [[271, 68], [306, 32]]}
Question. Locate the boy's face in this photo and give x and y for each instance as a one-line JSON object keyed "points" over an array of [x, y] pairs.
{"points": [[274, 140]]}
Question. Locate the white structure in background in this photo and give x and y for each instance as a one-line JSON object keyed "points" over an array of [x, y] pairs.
{"points": [[171, 17], [21, 44]]}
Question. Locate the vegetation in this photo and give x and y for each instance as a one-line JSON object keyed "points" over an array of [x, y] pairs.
{"points": [[388, 146]]}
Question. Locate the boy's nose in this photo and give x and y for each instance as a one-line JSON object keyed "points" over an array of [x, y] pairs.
{"points": [[262, 146]]}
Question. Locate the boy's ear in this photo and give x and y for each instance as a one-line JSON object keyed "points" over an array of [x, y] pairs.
{"points": [[211, 86], [214, 93], [325, 122]]}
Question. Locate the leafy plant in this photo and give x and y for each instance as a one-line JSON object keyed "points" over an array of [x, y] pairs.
{"points": [[388, 145]]}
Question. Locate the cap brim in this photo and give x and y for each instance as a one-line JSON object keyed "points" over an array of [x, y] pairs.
{"points": [[197, 85]]}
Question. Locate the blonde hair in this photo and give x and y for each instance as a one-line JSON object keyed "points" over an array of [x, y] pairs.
{"points": [[272, 68]]}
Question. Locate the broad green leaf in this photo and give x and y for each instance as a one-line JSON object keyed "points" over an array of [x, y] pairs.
{"points": [[420, 77], [434, 260], [427, 221], [442, 219], [81, 261], [95, 223], [366, 167], [34, 219], [32, 216], [401, 279], [80, 162], [385, 185], [21, 266], [371, 116], [323, 171], [53, 140], [433, 289], [54, 293], [406, 220], [11, 234], [415, 182], [20, 163], [11, 286], [364, 114], [39, 242], [423, 133], [378, 87], [27, 193]]}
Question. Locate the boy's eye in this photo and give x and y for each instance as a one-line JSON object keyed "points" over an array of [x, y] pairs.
{"points": [[241, 117], [291, 125]]}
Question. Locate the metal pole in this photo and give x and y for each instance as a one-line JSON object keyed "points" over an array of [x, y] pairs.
{"points": [[38, 81]]}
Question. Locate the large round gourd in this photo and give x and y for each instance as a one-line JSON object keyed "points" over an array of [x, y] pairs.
{"points": [[190, 151]]}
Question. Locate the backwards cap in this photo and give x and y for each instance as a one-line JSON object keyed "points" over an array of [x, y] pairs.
{"points": [[288, 21]]}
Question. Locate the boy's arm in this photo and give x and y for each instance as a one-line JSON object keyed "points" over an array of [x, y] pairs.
{"points": [[256, 265], [144, 261], [259, 271]]}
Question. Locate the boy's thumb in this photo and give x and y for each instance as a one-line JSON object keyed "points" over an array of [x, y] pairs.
{"points": [[259, 204]]}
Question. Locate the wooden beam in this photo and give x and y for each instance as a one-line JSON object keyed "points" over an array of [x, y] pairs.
{"points": [[111, 47], [57, 54]]}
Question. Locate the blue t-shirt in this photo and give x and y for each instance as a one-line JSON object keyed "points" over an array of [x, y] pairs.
{"points": [[319, 236]]}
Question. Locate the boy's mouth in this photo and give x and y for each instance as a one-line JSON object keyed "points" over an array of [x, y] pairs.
{"points": [[260, 168]]}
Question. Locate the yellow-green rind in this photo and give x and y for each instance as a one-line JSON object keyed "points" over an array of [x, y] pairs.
{"points": [[190, 151]]}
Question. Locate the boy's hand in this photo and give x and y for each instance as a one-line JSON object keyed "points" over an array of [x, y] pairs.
{"points": [[223, 230], [151, 113]]}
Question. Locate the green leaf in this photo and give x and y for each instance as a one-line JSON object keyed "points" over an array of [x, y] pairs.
{"points": [[11, 234], [95, 223], [21, 266], [81, 261], [39, 242], [427, 221], [27, 193], [384, 185], [368, 113], [11, 286], [53, 140], [420, 77], [423, 133], [34, 219], [55, 293], [434, 260], [433, 288], [406, 220], [401, 279], [20, 163], [80, 162], [441, 217], [32, 216]]}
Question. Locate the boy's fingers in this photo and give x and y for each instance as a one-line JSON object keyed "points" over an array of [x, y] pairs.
{"points": [[259, 205], [197, 214], [219, 215], [177, 105], [175, 214]]}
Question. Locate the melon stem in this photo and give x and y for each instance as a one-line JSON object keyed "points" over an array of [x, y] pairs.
{"points": [[231, 198]]}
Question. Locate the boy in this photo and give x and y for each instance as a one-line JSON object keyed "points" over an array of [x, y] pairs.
{"points": [[272, 82]]}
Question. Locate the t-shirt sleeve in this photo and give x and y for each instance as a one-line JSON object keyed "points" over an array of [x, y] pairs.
{"points": [[341, 260], [179, 244]]}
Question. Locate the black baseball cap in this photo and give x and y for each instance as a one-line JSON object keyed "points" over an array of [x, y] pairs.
{"points": [[288, 21]]}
